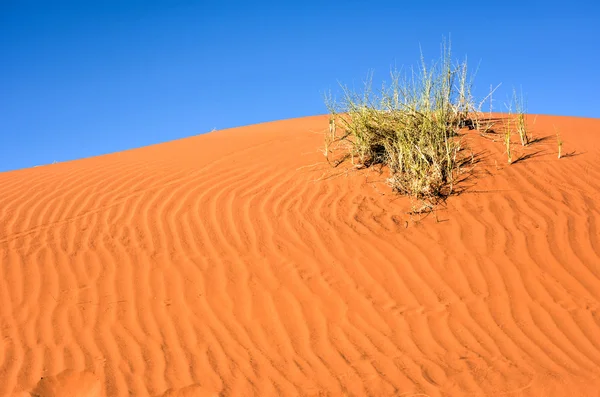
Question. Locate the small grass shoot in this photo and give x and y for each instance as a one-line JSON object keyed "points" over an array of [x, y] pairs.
{"points": [[507, 134], [559, 142]]}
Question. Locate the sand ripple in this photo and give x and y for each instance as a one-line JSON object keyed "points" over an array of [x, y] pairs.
{"points": [[234, 264]]}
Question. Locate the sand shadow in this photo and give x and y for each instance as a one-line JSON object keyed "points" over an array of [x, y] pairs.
{"points": [[529, 156], [540, 139], [571, 154], [468, 178]]}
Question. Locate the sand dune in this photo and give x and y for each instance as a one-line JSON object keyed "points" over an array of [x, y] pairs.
{"points": [[237, 263]]}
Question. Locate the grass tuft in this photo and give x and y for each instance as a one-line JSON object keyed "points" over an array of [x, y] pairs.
{"points": [[411, 126], [520, 109]]}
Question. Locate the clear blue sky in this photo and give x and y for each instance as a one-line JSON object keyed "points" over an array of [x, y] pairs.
{"points": [[89, 77]]}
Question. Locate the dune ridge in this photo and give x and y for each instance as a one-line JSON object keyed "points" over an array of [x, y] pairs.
{"points": [[237, 263]]}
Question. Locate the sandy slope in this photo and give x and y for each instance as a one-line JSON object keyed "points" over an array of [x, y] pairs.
{"points": [[235, 263]]}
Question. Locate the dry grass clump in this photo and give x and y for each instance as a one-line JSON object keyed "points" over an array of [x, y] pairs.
{"points": [[410, 126]]}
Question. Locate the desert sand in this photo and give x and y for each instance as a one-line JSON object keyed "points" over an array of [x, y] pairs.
{"points": [[238, 263]]}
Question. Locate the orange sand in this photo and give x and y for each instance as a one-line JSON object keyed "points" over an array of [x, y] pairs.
{"points": [[236, 263]]}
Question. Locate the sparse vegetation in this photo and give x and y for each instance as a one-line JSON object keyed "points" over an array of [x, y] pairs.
{"points": [[411, 126]]}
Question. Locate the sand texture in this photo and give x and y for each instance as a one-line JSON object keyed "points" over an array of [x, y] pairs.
{"points": [[237, 263]]}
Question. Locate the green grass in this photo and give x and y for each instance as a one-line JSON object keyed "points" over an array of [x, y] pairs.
{"points": [[411, 126]]}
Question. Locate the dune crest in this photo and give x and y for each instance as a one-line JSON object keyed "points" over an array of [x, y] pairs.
{"points": [[239, 262]]}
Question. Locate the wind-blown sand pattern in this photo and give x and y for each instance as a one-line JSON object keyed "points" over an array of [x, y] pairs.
{"points": [[237, 263]]}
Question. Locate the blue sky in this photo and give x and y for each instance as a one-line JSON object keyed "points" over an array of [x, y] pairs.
{"points": [[84, 78]]}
